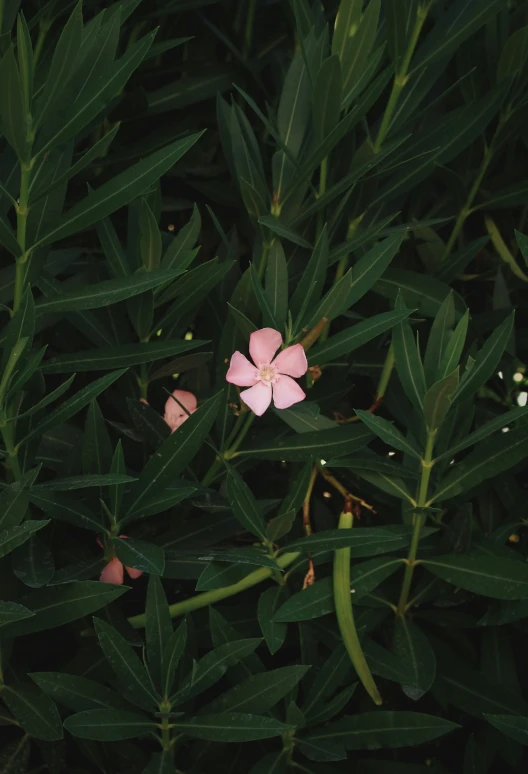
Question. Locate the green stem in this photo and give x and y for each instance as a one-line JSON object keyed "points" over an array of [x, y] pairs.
{"points": [[22, 216], [419, 519], [465, 211], [210, 597], [231, 452], [345, 616], [400, 78], [264, 258], [248, 32], [323, 178]]}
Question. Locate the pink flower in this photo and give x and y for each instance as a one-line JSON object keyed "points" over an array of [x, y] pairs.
{"points": [[174, 414], [268, 377], [113, 572]]}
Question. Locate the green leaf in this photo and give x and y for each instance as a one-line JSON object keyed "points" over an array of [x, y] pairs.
{"points": [[326, 98], [346, 24], [412, 646], [244, 505], [488, 428], [160, 763], [486, 360], [453, 351], [77, 693], [72, 405], [358, 46], [422, 292], [318, 599], [66, 508], [263, 300], [361, 542], [119, 191], [381, 730], [212, 667], [321, 751], [490, 458], [283, 230], [7, 238], [158, 626], [276, 286], [81, 482], [119, 356], [333, 303], [259, 693], [181, 364], [104, 293], [333, 673], [33, 563], [400, 20], [491, 576], [439, 338], [96, 447], [12, 611], [438, 400], [114, 253], [408, 363], [321, 443], [393, 485], [273, 631], [177, 253], [174, 455], [14, 757], [172, 653], [140, 555], [449, 269], [55, 606], [104, 725], [458, 23], [510, 725], [12, 537], [351, 338], [388, 433], [12, 108], [35, 712], [150, 242], [60, 69], [13, 500], [310, 285], [132, 676], [231, 727]]}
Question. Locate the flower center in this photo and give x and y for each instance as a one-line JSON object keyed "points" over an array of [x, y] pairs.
{"points": [[267, 373]]}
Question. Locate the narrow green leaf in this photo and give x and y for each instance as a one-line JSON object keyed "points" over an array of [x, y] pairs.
{"points": [[12, 108], [35, 712], [412, 646], [244, 505], [7, 238], [276, 285], [141, 555], [77, 693], [33, 563], [158, 626], [150, 242], [55, 606], [488, 428], [453, 351], [510, 725], [388, 432], [231, 727], [438, 400], [326, 98], [259, 693], [320, 443], [334, 302], [384, 730], [132, 676], [174, 455], [12, 611], [490, 576], [359, 45], [72, 405], [12, 537], [310, 285], [439, 338], [118, 191], [263, 301], [273, 631], [170, 659], [408, 363], [114, 253], [283, 230], [104, 725]]}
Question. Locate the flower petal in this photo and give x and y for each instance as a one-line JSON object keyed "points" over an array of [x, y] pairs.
{"points": [[174, 414], [292, 361], [263, 344], [133, 573], [257, 398], [286, 392], [241, 371], [113, 572]]}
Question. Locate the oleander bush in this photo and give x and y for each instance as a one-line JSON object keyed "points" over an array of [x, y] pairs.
{"points": [[263, 294]]}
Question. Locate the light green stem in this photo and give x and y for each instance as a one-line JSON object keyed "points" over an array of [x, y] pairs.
{"points": [[386, 372], [210, 597], [44, 26], [345, 616], [323, 178], [419, 519], [22, 216], [400, 78]]}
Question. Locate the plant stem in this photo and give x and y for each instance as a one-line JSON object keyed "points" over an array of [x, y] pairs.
{"points": [[419, 519], [264, 258], [22, 215], [345, 616], [229, 453], [323, 177], [386, 372], [44, 26], [210, 597], [400, 77], [465, 211]]}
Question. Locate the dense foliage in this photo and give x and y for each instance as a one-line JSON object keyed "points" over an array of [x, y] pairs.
{"points": [[186, 587]]}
